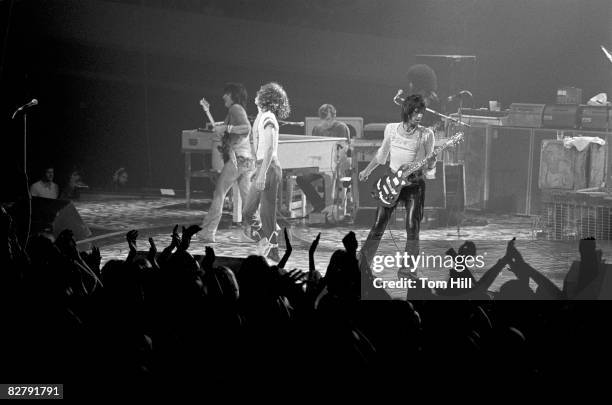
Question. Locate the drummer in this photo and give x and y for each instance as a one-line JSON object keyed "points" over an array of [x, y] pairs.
{"points": [[330, 127]]}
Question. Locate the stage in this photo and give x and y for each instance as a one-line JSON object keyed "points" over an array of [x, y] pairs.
{"points": [[110, 218]]}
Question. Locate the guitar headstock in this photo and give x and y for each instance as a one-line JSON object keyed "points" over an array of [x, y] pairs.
{"points": [[205, 104]]}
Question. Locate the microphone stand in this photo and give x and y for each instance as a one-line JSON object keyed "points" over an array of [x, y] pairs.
{"points": [[449, 118], [25, 173], [459, 176]]}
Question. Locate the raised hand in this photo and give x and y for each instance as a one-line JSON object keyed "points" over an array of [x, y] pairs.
{"points": [[451, 252], [296, 275], [350, 242], [191, 230], [188, 234], [95, 256], [507, 258], [293, 277], [514, 253], [67, 245], [311, 263], [175, 238], [131, 238], [313, 246], [209, 259], [288, 250]]}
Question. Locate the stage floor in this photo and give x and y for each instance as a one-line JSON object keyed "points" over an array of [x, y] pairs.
{"points": [[110, 219]]}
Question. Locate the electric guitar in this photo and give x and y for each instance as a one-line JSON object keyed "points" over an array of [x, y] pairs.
{"points": [[388, 187], [226, 146]]}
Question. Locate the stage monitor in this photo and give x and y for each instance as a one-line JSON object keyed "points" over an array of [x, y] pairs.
{"points": [[355, 125]]}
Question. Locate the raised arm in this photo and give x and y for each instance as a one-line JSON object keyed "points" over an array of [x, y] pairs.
{"points": [[288, 250], [541, 280], [487, 279], [175, 241]]}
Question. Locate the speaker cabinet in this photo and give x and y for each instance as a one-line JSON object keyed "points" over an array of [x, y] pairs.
{"points": [[510, 169], [49, 215], [435, 189], [455, 187]]}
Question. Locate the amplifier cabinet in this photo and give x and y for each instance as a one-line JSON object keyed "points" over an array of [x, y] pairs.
{"points": [[595, 117], [569, 95], [560, 116], [510, 170], [526, 115], [435, 189], [196, 140], [374, 130]]}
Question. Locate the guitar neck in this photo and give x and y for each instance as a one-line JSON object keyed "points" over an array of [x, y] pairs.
{"points": [[210, 117], [423, 161]]}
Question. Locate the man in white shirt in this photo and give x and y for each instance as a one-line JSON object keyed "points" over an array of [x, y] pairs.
{"points": [[404, 142], [45, 187], [272, 102]]}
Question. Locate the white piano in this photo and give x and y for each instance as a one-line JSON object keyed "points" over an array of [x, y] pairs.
{"points": [[297, 153]]}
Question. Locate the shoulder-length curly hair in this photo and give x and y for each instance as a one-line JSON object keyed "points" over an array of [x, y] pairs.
{"points": [[272, 97]]}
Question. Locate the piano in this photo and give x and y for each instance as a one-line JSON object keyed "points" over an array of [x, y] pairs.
{"points": [[298, 154]]}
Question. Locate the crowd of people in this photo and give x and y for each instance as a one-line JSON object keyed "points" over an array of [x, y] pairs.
{"points": [[165, 314]]}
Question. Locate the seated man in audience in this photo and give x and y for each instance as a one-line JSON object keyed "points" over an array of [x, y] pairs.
{"points": [[330, 127], [71, 190], [45, 187], [119, 182]]}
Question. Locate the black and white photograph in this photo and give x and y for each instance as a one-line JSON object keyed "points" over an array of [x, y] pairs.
{"points": [[202, 193]]}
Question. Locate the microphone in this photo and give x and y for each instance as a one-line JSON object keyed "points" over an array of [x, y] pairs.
{"points": [[460, 94], [28, 105]]}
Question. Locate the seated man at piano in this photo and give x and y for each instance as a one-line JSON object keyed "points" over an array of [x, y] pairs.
{"points": [[238, 157], [329, 127]]}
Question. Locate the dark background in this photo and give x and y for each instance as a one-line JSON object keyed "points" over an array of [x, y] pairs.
{"points": [[117, 81]]}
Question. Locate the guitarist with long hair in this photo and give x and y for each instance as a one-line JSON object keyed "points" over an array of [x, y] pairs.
{"points": [[239, 161], [404, 142]]}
